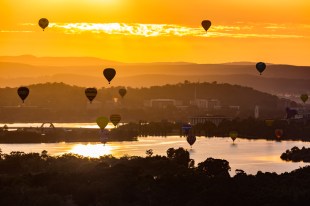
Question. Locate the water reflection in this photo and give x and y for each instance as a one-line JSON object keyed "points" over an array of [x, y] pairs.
{"points": [[248, 155], [91, 150]]}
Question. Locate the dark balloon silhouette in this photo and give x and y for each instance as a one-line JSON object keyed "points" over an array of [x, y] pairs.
{"points": [[304, 97], [115, 119], [278, 133], [102, 122], [260, 66], [206, 24], [91, 93], [43, 23], [191, 139], [109, 74], [23, 93], [122, 92], [233, 135]]}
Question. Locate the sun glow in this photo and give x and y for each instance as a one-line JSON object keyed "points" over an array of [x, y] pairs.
{"points": [[92, 150]]}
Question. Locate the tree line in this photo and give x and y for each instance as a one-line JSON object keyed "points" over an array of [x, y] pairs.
{"points": [[41, 179]]}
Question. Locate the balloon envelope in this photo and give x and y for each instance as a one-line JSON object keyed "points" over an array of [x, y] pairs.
{"points": [[191, 139], [109, 74], [23, 92], [115, 119], [304, 97], [206, 24], [290, 113], [91, 93], [260, 66], [233, 135], [122, 92], [102, 122], [278, 133], [43, 23], [269, 122]]}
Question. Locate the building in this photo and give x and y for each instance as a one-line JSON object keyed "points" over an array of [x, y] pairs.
{"points": [[214, 119], [205, 103], [162, 103]]}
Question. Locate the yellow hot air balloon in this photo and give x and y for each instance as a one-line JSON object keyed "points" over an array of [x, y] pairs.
{"points": [[233, 135], [269, 122], [115, 119], [102, 122]]}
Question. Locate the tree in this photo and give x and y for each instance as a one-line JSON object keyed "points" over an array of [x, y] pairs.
{"points": [[180, 156], [214, 167]]}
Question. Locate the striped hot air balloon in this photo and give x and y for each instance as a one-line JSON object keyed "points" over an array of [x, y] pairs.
{"points": [[115, 119], [91, 93]]}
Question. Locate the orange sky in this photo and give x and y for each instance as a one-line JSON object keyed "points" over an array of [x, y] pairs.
{"points": [[276, 31]]}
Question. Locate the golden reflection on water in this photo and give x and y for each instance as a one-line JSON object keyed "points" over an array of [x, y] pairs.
{"points": [[92, 150]]}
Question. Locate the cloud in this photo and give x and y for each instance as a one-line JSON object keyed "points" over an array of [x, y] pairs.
{"points": [[240, 30], [16, 31]]}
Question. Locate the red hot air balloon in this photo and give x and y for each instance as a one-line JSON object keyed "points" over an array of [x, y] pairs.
{"points": [[278, 133], [109, 74], [206, 24]]}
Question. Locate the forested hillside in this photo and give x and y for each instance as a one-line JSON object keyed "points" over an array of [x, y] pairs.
{"points": [[61, 102]]}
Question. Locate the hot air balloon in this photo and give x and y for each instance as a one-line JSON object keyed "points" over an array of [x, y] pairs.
{"points": [[122, 92], [43, 23], [290, 113], [206, 24], [102, 122], [304, 97], [91, 93], [233, 135], [115, 119], [104, 135], [186, 128], [278, 133], [269, 122], [109, 74], [23, 93], [191, 139], [260, 66]]}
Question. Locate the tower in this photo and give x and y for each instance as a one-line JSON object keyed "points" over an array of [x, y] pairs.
{"points": [[256, 112]]}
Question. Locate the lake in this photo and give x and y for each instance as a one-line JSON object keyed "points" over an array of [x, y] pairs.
{"points": [[248, 155]]}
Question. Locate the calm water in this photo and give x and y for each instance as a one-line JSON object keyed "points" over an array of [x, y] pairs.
{"points": [[248, 155]]}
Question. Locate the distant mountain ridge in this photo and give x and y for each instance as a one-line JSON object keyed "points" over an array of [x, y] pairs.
{"points": [[87, 71], [58, 61]]}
